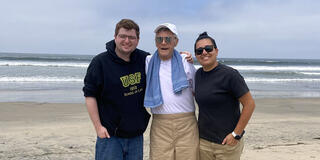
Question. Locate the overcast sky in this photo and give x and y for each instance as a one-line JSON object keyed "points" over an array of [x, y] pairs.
{"points": [[242, 29]]}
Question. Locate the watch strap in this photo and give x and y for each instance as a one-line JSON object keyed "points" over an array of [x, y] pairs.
{"points": [[236, 136]]}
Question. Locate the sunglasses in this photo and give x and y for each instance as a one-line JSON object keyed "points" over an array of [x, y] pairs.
{"points": [[208, 48], [166, 39]]}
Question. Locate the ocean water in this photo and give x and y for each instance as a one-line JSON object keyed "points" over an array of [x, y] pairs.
{"points": [[59, 78]]}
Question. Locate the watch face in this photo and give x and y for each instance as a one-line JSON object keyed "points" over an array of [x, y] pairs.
{"points": [[237, 137]]}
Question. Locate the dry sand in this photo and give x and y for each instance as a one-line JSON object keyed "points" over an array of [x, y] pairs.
{"points": [[280, 129]]}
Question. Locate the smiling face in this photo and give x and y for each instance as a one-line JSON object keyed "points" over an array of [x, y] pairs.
{"points": [[164, 45], [126, 42], [208, 60]]}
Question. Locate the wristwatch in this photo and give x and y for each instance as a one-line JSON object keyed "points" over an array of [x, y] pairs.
{"points": [[236, 136]]}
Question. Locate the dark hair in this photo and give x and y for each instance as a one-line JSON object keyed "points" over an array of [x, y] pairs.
{"points": [[204, 35], [127, 24]]}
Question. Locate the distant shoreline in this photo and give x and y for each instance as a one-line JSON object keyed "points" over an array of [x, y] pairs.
{"points": [[24, 53], [94, 54], [59, 77]]}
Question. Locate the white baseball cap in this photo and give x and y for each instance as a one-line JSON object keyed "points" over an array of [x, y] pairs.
{"points": [[170, 26]]}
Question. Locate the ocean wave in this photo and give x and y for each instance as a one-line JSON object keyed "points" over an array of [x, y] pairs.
{"points": [[73, 79], [310, 73], [315, 69], [275, 80], [259, 61], [40, 79], [43, 64], [276, 68], [46, 57]]}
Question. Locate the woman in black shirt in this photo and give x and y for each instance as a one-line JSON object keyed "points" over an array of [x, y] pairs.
{"points": [[219, 90]]}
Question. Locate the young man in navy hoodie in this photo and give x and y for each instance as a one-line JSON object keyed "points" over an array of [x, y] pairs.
{"points": [[114, 88]]}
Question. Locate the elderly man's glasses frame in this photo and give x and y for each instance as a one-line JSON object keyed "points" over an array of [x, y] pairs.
{"points": [[168, 40]]}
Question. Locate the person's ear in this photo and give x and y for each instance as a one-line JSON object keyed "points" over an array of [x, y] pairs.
{"points": [[176, 42]]}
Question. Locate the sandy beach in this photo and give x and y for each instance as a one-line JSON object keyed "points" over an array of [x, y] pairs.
{"points": [[280, 129]]}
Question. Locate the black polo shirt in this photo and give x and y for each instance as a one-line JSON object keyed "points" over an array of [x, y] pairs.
{"points": [[217, 93]]}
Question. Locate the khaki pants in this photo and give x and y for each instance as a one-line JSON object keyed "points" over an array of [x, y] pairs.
{"points": [[214, 151], [174, 137]]}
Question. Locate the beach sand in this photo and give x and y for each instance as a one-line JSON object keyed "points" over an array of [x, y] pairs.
{"points": [[280, 129]]}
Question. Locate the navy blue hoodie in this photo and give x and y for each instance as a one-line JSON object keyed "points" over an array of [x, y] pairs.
{"points": [[119, 88]]}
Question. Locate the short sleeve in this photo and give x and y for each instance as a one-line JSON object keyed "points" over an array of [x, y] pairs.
{"points": [[147, 62], [190, 71], [237, 84]]}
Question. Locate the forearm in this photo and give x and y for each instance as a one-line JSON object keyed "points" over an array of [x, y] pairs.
{"points": [[92, 108], [248, 108]]}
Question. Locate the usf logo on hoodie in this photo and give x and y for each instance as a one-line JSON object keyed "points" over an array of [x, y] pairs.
{"points": [[130, 79]]}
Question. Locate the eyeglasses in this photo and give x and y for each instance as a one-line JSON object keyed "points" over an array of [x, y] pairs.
{"points": [[208, 48], [166, 39], [123, 36]]}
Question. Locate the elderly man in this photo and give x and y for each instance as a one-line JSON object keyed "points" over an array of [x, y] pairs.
{"points": [[169, 94]]}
